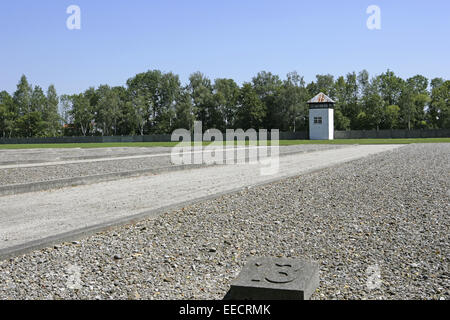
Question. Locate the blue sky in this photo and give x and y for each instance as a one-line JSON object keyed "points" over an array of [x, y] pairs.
{"points": [[223, 39]]}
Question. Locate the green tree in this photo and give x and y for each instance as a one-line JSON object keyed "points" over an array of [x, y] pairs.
{"points": [[146, 86], [51, 114], [413, 101], [22, 101], [418, 84], [38, 100], [291, 102], [362, 122], [341, 122], [31, 122], [439, 112], [159, 93], [421, 103], [392, 115], [155, 102], [363, 83], [31, 125], [136, 114], [82, 113], [324, 83], [8, 115], [407, 106], [121, 125], [169, 89], [373, 106], [390, 87], [107, 110], [226, 95], [184, 112], [205, 108], [268, 86], [22, 96], [436, 83], [351, 106], [251, 111]]}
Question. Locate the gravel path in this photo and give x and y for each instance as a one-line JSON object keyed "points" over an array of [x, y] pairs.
{"points": [[387, 214], [20, 175]]}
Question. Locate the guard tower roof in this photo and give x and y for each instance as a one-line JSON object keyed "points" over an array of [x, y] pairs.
{"points": [[321, 98]]}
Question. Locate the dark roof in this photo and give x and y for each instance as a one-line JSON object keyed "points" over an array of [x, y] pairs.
{"points": [[321, 98]]}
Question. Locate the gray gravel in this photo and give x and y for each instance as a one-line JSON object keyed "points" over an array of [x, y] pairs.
{"points": [[386, 213], [47, 173], [25, 175], [22, 156]]}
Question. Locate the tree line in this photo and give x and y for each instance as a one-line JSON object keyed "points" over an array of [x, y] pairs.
{"points": [[156, 102]]}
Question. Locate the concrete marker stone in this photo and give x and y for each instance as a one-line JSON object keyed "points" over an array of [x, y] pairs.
{"points": [[276, 279]]}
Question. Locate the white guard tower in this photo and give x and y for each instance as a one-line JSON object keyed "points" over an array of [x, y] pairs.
{"points": [[321, 118]]}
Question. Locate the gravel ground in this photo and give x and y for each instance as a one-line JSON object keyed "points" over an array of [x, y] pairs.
{"points": [[18, 156], [387, 214], [47, 173]]}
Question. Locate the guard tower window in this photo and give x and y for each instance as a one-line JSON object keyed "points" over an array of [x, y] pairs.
{"points": [[317, 120]]}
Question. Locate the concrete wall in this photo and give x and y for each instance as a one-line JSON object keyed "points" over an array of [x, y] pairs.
{"points": [[392, 134], [302, 135], [96, 139], [325, 130], [330, 124]]}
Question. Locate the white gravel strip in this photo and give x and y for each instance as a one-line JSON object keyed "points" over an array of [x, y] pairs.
{"points": [[32, 216]]}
